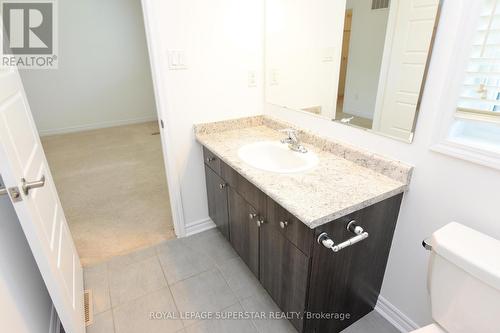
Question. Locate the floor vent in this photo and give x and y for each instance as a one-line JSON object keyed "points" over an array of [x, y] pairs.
{"points": [[89, 315], [380, 4]]}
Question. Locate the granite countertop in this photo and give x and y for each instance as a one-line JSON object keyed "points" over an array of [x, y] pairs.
{"points": [[345, 180]]}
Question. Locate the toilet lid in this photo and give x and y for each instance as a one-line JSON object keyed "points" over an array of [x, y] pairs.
{"points": [[430, 329], [472, 251]]}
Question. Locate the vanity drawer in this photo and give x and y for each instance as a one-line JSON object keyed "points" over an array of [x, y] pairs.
{"points": [[292, 228], [212, 161], [247, 190]]}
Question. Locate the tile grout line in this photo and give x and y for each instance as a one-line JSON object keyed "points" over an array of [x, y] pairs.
{"points": [[169, 290], [109, 295], [238, 298], [187, 277], [136, 298], [215, 267]]}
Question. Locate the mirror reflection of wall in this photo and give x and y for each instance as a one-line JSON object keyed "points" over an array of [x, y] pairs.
{"points": [[362, 51], [357, 62], [302, 39]]}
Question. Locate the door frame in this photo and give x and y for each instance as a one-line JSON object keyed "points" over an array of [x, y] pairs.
{"points": [[162, 109], [348, 13]]}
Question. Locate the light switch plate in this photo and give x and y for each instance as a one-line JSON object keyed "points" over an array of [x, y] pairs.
{"points": [[177, 59]]}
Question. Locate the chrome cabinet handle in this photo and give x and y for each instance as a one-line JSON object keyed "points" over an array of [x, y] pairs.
{"points": [[260, 222], [222, 186], [28, 186], [252, 216], [211, 159], [283, 224], [352, 226]]}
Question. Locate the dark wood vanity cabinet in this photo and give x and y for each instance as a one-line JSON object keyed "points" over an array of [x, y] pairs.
{"points": [[349, 281], [284, 272], [217, 201], [329, 290], [244, 231]]}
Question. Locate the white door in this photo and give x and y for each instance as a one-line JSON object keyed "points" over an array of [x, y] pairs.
{"points": [[411, 38], [39, 210]]}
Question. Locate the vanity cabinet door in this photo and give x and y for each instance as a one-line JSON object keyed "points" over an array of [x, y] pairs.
{"points": [[217, 201], [292, 228], [244, 231], [349, 281], [283, 272]]}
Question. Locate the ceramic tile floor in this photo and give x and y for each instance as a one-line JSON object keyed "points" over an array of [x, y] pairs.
{"points": [[199, 273]]}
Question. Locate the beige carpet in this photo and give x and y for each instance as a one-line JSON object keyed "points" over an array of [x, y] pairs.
{"points": [[113, 189]]}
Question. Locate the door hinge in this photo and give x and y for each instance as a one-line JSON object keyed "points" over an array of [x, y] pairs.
{"points": [[162, 124]]}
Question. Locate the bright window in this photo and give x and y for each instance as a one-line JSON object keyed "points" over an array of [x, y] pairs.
{"points": [[480, 94], [468, 117]]}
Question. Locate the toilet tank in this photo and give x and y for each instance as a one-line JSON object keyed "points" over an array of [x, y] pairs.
{"points": [[464, 280]]}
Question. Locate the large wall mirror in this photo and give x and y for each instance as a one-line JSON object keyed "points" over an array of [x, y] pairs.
{"points": [[358, 62]]}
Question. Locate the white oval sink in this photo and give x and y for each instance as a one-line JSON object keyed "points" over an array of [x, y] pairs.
{"points": [[276, 157]]}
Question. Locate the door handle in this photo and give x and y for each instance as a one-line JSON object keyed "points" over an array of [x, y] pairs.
{"points": [[27, 186]]}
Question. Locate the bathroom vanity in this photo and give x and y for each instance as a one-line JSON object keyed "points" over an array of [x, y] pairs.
{"points": [[274, 220]]}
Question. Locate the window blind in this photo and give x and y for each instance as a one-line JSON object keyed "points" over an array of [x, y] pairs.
{"points": [[481, 87]]}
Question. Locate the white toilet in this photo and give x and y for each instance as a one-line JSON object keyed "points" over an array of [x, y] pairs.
{"points": [[463, 281]]}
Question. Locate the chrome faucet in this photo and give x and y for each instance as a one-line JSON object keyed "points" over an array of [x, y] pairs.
{"points": [[293, 140]]}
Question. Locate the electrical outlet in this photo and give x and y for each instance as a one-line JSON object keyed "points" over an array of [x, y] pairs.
{"points": [[274, 77], [252, 79]]}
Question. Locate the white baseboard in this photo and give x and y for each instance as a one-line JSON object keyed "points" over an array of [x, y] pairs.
{"points": [[88, 127], [393, 315], [199, 226]]}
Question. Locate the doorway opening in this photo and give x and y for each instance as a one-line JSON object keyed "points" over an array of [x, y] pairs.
{"points": [[341, 113], [100, 131]]}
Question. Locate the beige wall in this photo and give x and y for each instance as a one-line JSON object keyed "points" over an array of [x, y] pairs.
{"points": [[104, 77]]}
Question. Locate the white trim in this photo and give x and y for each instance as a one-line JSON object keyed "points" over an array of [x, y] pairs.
{"points": [[153, 37], [199, 226], [486, 116], [393, 315], [104, 124], [385, 65], [468, 153]]}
